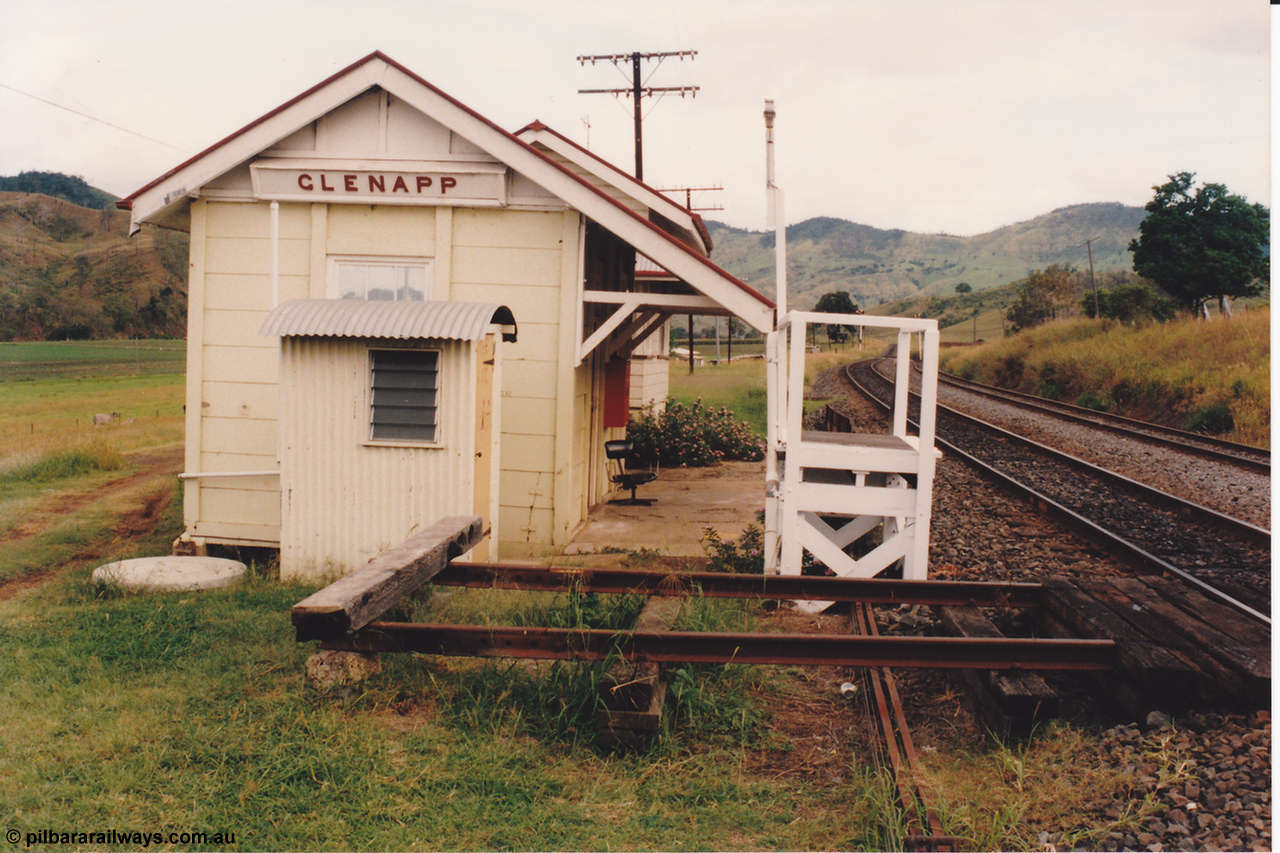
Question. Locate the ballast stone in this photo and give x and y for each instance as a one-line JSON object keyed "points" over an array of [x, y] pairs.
{"points": [[170, 574]]}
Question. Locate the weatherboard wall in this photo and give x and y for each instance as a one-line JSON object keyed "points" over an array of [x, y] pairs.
{"points": [[527, 260]]}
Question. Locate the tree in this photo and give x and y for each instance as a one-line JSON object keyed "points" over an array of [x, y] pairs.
{"points": [[1044, 295], [1133, 302], [964, 287], [837, 302], [1201, 245]]}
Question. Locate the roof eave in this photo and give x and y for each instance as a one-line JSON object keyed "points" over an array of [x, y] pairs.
{"points": [[663, 248], [677, 214], [187, 177]]}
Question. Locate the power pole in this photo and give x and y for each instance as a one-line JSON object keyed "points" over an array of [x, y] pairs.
{"points": [[1096, 313], [690, 344], [637, 90]]}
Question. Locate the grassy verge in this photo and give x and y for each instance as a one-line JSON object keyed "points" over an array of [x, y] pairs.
{"points": [[189, 711], [1212, 377]]}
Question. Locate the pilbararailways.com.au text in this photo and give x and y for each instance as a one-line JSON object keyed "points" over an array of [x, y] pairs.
{"points": [[113, 837]]}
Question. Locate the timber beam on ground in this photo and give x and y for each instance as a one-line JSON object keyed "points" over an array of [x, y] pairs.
{"points": [[719, 647], [730, 585], [354, 601]]}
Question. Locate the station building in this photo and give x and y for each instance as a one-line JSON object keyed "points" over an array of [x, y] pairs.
{"points": [[399, 311]]}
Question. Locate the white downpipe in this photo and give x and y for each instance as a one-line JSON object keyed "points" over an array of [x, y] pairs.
{"points": [[275, 300], [275, 253]]}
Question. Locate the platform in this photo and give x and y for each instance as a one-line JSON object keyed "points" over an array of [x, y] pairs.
{"points": [[726, 497]]}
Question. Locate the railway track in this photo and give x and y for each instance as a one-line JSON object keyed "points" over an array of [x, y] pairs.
{"points": [[1225, 558], [1243, 455]]}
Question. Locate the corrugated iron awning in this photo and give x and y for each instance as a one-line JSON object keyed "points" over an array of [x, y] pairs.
{"points": [[646, 268], [356, 318]]}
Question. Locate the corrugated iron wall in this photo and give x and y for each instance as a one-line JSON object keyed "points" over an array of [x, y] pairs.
{"points": [[343, 498]]}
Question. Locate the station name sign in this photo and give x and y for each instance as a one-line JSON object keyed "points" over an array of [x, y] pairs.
{"points": [[472, 185]]}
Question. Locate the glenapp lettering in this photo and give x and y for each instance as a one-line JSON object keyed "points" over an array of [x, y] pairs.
{"points": [[377, 183]]}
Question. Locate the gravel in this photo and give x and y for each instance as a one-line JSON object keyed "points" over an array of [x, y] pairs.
{"points": [[1201, 782], [1231, 489], [1205, 782]]}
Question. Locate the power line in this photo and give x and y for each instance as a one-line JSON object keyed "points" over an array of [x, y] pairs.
{"points": [[639, 90], [688, 196], [90, 117]]}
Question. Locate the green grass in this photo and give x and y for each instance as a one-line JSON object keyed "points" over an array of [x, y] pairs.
{"points": [[1185, 373], [63, 464], [990, 327], [50, 391], [26, 361], [739, 386], [190, 711]]}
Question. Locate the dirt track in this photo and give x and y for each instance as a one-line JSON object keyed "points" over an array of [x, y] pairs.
{"points": [[146, 490]]}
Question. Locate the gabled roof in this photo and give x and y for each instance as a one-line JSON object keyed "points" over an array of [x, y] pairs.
{"points": [[682, 217], [377, 69]]}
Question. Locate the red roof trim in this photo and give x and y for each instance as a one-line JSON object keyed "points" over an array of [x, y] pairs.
{"points": [[126, 203], [538, 125], [377, 54], [702, 230], [741, 285]]}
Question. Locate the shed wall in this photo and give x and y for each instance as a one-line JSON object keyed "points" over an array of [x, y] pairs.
{"points": [[344, 499]]}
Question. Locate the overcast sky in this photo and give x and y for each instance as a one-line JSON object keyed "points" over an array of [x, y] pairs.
{"points": [[954, 116]]}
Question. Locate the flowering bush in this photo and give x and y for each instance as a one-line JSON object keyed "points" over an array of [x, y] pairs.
{"points": [[692, 436], [744, 555]]}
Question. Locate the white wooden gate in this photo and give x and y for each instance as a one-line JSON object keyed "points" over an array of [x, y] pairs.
{"points": [[826, 491]]}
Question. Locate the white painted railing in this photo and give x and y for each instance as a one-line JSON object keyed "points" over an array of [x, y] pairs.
{"points": [[826, 492]]}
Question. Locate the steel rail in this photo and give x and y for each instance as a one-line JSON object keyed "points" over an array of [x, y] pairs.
{"points": [[1252, 533], [716, 647], [895, 732], [528, 576], [1246, 455], [1075, 520]]}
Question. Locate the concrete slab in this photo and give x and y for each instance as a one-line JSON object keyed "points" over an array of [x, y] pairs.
{"points": [[726, 497], [170, 574]]}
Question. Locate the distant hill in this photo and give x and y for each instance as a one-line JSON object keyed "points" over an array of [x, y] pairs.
{"points": [[69, 271], [878, 265], [70, 188]]}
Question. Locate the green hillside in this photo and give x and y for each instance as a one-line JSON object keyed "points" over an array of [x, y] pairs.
{"points": [[68, 271], [879, 265]]}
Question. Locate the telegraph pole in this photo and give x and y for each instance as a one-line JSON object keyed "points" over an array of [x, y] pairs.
{"points": [[637, 90], [1097, 315]]}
